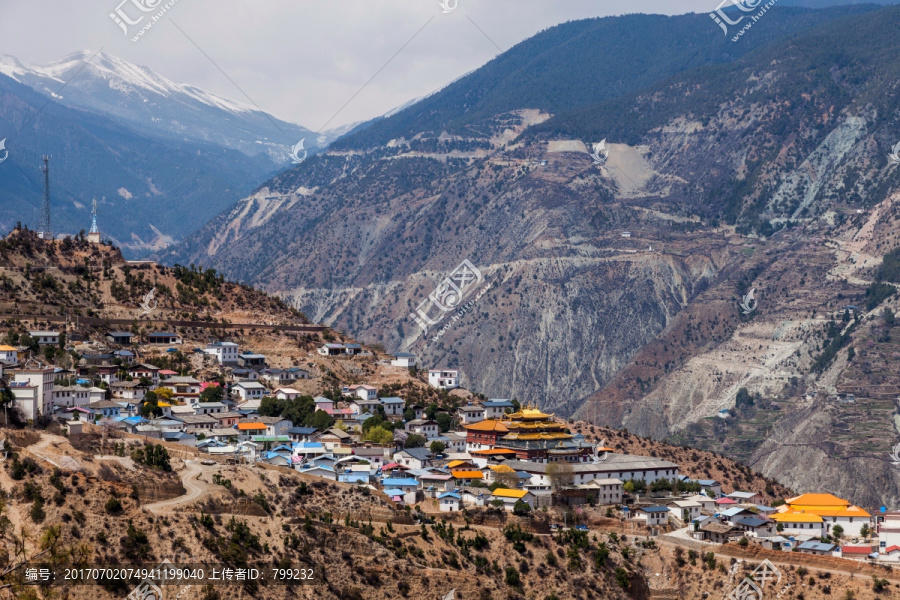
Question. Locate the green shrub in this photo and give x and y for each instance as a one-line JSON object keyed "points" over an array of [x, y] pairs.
{"points": [[113, 506]]}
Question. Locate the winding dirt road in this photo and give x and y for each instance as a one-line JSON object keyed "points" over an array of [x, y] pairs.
{"points": [[195, 489]]}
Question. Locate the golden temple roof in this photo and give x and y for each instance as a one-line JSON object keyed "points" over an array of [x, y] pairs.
{"points": [[527, 414]]}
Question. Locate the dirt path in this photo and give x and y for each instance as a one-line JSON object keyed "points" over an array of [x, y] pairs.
{"points": [[38, 449], [195, 489]]}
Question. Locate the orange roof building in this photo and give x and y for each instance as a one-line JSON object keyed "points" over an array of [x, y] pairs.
{"points": [[825, 505], [488, 425], [507, 493], [484, 434], [467, 474], [494, 452], [828, 509], [251, 426]]}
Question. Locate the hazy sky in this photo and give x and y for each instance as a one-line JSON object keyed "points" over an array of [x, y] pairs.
{"points": [[303, 60]]}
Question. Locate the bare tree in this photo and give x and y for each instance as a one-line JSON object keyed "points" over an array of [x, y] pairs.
{"points": [[560, 474]]}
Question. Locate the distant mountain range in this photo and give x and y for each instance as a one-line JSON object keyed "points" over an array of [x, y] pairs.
{"points": [[161, 158]]}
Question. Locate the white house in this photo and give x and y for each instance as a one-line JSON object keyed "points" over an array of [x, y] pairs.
{"points": [[444, 379], [424, 427], [142, 370], [888, 530], [71, 395], [455, 441], [404, 359], [510, 497], [225, 352], [606, 491], [746, 497], [208, 408], [414, 458], [42, 380], [617, 466], [27, 398], [105, 408], [182, 387], [471, 413], [795, 523], [45, 338], [286, 393], [450, 501], [275, 425], [393, 406], [249, 390], [9, 354], [686, 510], [405, 485], [362, 407], [653, 515], [494, 409], [364, 392], [331, 349], [127, 390]]}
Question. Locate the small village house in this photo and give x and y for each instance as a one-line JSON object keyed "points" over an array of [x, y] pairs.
{"points": [[249, 390], [653, 516], [225, 353], [509, 497], [444, 379], [404, 359], [45, 338], [393, 406], [450, 502], [331, 349]]}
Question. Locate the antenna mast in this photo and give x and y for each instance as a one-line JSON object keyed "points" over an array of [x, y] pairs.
{"points": [[46, 232]]}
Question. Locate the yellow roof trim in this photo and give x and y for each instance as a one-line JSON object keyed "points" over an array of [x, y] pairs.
{"points": [[502, 469], [467, 474], [507, 493], [796, 517]]}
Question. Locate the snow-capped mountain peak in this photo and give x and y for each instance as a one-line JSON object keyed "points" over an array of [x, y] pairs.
{"points": [[152, 104]]}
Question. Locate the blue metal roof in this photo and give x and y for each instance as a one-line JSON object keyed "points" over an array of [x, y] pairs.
{"points": [[653, 509], [750, 521], [398, 481], [817, 546], [394, 492]]}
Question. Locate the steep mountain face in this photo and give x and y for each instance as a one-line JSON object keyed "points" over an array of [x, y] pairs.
{"points": [[609, 286]]}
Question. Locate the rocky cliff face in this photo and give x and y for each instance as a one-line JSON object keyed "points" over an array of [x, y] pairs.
{"points": [[770, 173]]}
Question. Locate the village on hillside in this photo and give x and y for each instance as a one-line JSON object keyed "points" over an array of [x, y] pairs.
{"points": [[430, 456]]}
